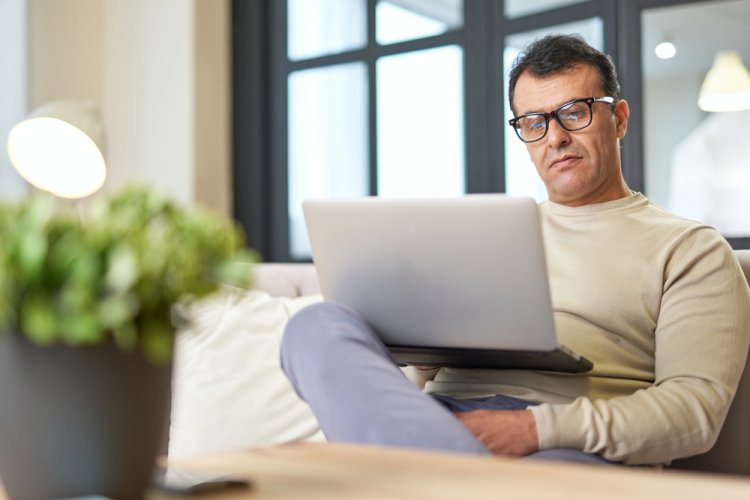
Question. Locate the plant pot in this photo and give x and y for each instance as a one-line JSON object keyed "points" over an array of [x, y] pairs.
{"points": [[78, 421]]}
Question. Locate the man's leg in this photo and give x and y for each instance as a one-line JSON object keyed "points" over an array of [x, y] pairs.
{"points": [[338, 366]]}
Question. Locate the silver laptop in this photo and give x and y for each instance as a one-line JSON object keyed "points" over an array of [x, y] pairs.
{"points": [[446, 282]]}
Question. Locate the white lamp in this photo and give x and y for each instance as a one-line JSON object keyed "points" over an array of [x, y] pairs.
{"points": [[59, 148], [727, 84]]}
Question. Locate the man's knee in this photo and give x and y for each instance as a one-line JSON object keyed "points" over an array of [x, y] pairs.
{"points": [[313, 325], [319, 330]]}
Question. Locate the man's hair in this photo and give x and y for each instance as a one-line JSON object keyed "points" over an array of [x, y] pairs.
{"points": [[555, 53]]}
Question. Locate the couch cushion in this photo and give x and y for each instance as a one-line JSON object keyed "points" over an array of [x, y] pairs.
{"points": [[228, 389], [286, 280]]}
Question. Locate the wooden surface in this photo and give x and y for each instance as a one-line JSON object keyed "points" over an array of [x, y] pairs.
{"points": [[334, 471]]}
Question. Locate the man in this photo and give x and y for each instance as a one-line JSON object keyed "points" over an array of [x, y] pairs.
{"points": [[657, 302]]}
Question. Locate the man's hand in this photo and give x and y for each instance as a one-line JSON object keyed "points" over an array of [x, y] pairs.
{"points": [[503, 432]]}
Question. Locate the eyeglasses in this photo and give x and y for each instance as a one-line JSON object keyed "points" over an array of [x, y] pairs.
{"points": [[572, 116]]}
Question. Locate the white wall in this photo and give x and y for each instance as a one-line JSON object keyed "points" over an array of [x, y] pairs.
{"points": [[12, 88], [671, 114], [148, 105], [159, 71], [65, 50]]}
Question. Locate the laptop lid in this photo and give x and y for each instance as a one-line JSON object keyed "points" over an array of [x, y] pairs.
{"points": [[440, 277]]}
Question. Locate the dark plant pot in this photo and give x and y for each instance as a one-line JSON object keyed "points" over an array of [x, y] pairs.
{"points": [[78, 421]]}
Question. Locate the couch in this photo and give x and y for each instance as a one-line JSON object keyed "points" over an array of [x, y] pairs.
{"points": [[233, 358]]}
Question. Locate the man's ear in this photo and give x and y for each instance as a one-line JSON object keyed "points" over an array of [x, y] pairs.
{"points": [[622, 113]]}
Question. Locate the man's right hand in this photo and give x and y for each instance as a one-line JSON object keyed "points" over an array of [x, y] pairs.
{"points": [[504, 432]]}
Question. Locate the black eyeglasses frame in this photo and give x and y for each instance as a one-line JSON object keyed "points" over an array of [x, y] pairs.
{"points": [[553, 114]]}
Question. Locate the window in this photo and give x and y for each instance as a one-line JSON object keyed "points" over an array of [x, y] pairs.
{"points": [[401, 20], [697, 162], [420, 126], [371, 107], [320, 27], [327, 135], [519, 8]]}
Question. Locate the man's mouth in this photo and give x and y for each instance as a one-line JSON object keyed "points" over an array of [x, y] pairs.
{"points": [[564, 161]]}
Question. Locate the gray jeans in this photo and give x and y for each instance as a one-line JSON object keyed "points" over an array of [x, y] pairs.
{"points": [[338, 365]]}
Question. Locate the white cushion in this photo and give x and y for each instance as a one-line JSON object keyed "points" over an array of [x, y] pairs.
{"points": [[286, 280], [228, 388]]}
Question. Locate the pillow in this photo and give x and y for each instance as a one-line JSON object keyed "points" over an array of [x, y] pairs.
{"points": [[228, 390]]}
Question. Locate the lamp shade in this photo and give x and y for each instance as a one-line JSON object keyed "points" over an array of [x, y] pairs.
{"points": [[727, 84], [59, 148]]}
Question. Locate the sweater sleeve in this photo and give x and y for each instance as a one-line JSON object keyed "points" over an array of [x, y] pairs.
{"points": [[701, 341]]}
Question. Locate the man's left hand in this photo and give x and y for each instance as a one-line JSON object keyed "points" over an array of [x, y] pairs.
{"points": [[503, 432]]}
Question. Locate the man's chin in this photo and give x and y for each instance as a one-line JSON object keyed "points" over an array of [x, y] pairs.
{"points": [[567, 194]]}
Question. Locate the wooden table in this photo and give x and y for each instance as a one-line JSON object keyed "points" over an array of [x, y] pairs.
{"points": [[332, 471], [335, 471]]}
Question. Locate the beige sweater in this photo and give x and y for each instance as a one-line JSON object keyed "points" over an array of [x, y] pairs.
{"points": [[659, 304]]}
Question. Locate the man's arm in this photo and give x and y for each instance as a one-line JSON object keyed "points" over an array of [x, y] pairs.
{"points": [[701, 343]]}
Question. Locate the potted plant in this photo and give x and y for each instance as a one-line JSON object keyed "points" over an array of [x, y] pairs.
{"points": [[88, 308]]}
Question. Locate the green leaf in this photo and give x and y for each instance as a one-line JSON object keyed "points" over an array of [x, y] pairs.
{"points": [[81, 328], [31, 251], [115, 311], [75, 297], [85, 270], [122, 268], [38, 320], [238, 270], [125, 336], [157, 341], [62, 253]]}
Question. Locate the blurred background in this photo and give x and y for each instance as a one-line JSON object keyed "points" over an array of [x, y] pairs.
{"points": [[251, 106]]}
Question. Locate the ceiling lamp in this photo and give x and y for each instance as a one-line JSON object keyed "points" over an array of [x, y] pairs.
{"points": [[665, 50], [727, 84], [58, 148]]}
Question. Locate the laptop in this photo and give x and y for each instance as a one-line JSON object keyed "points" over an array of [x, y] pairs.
{"points": [[457, 282]]}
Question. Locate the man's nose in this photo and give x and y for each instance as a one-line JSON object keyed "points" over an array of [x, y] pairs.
{"points": [[556, 135]]}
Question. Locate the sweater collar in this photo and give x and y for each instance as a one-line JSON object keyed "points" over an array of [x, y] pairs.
{"points": [[633, 200]]}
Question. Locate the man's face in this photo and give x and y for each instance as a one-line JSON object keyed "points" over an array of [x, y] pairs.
{"points": [[578, 167]]}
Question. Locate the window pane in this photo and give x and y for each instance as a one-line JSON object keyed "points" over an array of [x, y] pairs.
{"points": [[518, 8], [521, 178], [320, 27], [420, 123], [328, 153], [697, 163], [400, 20]]}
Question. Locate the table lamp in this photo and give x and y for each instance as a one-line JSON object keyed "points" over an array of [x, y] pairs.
{"points": [[59, 148]]}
